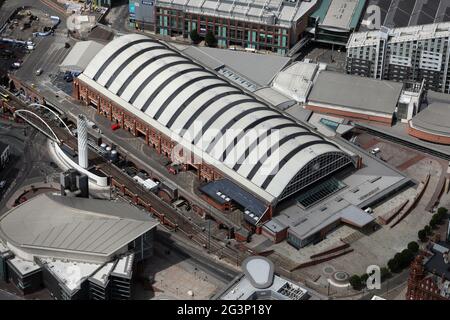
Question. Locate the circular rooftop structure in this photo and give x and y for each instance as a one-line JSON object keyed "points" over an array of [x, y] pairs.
{"points": [[431, 124], [259, 271]]}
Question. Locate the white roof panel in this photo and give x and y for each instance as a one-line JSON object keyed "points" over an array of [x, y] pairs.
{"points": [[208, 103]]}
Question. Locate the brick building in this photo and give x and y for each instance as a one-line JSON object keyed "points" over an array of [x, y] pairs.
{"points": [[429, 277]]}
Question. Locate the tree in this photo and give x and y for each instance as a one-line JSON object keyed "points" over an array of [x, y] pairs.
{"points": [[413, 246], [428, 230], [442, 212], [210, 39], [394, 265], [355, 282], [422, 234], [195, 37], [364, 278], [433, 223], [384, 274], [405, 258]]}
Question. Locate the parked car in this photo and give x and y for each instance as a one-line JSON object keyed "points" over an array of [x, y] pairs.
{"points": [[16, 65], [114, 127], [375, 151]]}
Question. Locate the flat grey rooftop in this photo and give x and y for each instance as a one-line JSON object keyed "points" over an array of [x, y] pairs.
{"points": [[435, 118], [367, 185], [68, 227], [356, 92], [340, 13], [81, 54], [273, 12], [258, 68]]}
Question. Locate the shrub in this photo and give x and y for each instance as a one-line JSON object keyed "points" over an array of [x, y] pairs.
{"points": [[355, 282], [364, 278]]}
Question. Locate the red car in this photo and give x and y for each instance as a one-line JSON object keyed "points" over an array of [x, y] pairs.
{"points": [[115, 126]]}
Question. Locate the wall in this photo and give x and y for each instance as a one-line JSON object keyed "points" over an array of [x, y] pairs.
{"points": [[351, 115], [422, 135]]}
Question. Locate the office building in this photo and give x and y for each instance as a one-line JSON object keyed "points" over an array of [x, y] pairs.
{"points": [[409, 54]]}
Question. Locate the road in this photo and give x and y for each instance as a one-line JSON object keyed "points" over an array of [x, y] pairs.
{"points": [[220, 271], [4, 295], [389, 285], [19, 171]]}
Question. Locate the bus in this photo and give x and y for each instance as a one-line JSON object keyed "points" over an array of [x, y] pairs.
{"points": [[5, 97]]}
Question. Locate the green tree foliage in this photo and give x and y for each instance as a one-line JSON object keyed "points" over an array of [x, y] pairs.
{"points": [[422, 234], [195, 37], [385, 274], [413, 246], [355, 282], [210, 39]]}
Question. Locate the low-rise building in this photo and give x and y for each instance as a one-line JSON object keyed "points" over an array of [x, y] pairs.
{"points": [[353, 97], [259, 282], [431, 124], [61, 242], [429, 277]]}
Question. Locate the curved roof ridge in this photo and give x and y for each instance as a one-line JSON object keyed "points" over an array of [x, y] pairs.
{"points": [[207, 102]]}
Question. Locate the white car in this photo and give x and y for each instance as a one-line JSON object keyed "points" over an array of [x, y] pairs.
{"points": [[375, 151]]}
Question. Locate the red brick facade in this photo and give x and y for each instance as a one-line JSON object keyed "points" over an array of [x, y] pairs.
{"points": [[160, 142], [275, 237], [422, 286], [422, 135], [153, 137]]}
